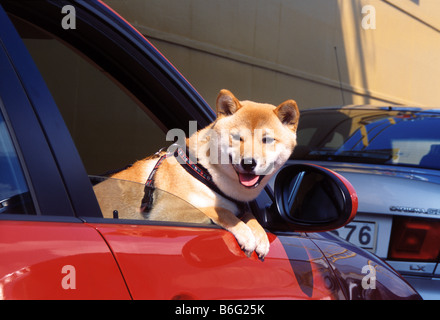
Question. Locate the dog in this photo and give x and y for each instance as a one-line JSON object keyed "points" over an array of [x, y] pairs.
{"points": [[233, 159]]}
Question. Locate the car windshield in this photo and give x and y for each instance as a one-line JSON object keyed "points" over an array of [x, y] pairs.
{"points": [[377, 136]]}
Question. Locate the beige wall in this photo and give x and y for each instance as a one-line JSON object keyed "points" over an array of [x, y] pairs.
{"points": [[272, 50]]}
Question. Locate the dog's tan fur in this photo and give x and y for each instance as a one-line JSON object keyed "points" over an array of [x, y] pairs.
{"points": [[240, 118]]}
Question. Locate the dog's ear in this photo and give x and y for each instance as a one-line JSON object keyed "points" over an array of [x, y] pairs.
{"points": [[288, 113], [227, 103]]}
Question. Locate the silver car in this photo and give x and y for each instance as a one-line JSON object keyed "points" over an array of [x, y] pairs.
{"points": [[391, 155]]}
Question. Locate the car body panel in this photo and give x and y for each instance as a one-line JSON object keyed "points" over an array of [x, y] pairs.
{"points": [[373, 281], [160, 262], [56, 260]]}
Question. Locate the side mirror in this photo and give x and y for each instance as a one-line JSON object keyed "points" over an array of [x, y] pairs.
{"points": [[310, 198]]}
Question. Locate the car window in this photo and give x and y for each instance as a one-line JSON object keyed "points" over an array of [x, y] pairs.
{"points": [[122, 199], [110, 128], [15, 197]]}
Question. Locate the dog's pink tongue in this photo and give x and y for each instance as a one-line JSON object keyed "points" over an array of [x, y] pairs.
{"points": [[248, 180]]}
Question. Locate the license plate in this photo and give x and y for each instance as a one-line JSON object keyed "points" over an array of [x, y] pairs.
{"points": [[361, 233]]}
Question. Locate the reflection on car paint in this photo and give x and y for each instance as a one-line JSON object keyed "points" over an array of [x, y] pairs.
{"points": [[348, 264]]}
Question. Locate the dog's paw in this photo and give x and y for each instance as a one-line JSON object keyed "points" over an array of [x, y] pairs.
{"points": [[263, 244], [261, 239], [245, 238]]}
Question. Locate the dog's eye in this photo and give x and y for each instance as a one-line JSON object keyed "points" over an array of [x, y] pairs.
{"points": [[268, 140], [237, 137]]}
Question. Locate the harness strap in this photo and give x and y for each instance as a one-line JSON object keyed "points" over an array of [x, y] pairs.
{"points": [[196, 170], [147, 200]]}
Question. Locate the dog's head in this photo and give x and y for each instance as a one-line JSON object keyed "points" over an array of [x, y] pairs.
{"points": [[253, 140]]}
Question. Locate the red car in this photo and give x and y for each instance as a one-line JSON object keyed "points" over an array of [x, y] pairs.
{"points": [[82, 93]]}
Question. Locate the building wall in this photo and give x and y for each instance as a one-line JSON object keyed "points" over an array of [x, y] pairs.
{"points": [[273, 50]]}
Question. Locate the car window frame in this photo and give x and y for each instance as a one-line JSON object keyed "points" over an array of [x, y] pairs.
{"points": [[41, 172]]}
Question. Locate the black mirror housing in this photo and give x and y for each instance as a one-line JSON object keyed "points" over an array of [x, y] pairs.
{"points": [[310, 198]]}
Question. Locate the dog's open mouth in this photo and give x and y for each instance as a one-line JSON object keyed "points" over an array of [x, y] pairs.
{"points": [[249, 180]]}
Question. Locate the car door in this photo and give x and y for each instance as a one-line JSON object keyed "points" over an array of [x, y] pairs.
{"points": [[45, 251], [158, 260], [195, 262], [175, 260]]}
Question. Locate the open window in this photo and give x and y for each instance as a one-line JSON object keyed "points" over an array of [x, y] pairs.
{"points": [[111, 119]]}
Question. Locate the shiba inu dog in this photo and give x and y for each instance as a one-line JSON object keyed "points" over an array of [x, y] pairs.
{"points": [[221, 168]]}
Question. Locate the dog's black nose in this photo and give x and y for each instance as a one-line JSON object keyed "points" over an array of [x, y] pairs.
{"points": [[248, 164]]}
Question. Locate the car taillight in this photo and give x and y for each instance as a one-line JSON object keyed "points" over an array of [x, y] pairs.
{"points": [[414, 239]]}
